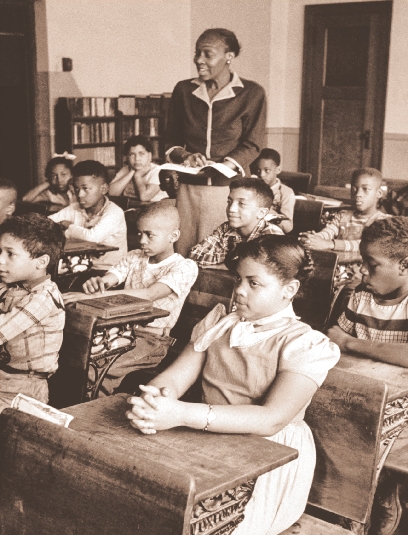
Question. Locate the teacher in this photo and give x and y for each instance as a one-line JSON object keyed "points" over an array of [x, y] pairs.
{"points": [[217, 117]]}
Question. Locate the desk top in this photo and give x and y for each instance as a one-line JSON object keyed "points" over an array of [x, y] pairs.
{"points": [[217, 462], [142, 317], [395, 377], [81, 246], [348, 257]]}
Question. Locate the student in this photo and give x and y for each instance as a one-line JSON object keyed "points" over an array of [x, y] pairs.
{"points": [[94, 217], [344, 232], [153, 272], [260, 367], [268, 166], [140, 177], [375, 325], [32, 312], [8, 199], [57, 189], [248, 204]]}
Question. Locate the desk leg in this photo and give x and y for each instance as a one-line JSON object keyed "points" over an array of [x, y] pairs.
{"points": [[221, 515]]}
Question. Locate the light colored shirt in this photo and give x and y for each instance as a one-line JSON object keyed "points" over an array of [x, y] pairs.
{"points": [[244, 358], [32, 319], [284, 202], [151, 177], [108, 227], [177, 272]]}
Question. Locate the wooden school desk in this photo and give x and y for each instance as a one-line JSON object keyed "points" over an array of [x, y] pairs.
{"points": [[102, 476], [90, 347]]}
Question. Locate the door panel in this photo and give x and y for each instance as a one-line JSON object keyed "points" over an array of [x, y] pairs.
{"points": [[344, 83]]}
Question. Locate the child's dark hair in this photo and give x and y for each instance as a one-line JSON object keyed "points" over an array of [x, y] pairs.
{"points": [[369, 171], [91, 168], [270, 154], [161, 209], [390, 234], [226, 36], [133, 141], [58, 160], [281, 255], [39, 234], [262, 191]]}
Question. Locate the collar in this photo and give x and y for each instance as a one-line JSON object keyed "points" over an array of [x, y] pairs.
{"points": [[276, 186], [287, 312], [254, 232], [164, 262], [101, 211], [225, 93], [31, 284]]}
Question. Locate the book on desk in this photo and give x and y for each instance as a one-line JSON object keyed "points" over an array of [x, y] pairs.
{"points": [[112, 306]]}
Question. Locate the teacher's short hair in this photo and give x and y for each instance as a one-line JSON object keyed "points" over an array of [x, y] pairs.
{"points": [[226, 36]]}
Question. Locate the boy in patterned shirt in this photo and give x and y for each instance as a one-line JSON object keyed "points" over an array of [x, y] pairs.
{"points": [[344, 232], [248, 205], [154, 272], [375, 325], [32, 314]]}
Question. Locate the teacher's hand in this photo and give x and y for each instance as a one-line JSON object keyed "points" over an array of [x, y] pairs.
{"points": [[195, 160]]}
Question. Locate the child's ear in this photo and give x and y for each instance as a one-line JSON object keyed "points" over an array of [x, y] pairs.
{"points": [[291, 289], [43, 261], [262, 212], [404, 266], [174, 236], [379, 193], [10, 209], [104, 188], [278, 170]]}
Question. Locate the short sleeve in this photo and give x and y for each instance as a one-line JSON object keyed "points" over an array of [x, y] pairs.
{"points": [[345, 321], [180, 277], [207, 323], [311, 354]]}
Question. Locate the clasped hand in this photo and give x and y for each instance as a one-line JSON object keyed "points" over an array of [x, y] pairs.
{"points": [[154, 410], [311, 240]]}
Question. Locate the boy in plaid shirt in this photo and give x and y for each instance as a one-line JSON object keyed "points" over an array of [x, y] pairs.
{"points": [[248, 205], [32, 314], [154, 272]]}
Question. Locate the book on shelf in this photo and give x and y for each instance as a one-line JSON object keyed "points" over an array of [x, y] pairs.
{"points": [[100, 106], [127, 104], [105, 155], [111, 306]]}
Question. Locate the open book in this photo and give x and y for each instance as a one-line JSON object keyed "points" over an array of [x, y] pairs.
{"points": [[210, 174]]}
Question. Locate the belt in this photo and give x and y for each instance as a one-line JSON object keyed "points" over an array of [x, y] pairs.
{"points": [[12, 371], [205, 177]]}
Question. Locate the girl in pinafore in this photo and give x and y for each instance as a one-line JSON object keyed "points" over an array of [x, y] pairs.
{"points": [[260, 368]]}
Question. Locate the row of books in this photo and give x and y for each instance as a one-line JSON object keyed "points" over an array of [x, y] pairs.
{"points": [[105, 155], [103, 132], [135, 105], [144, 126], [93, 106]]}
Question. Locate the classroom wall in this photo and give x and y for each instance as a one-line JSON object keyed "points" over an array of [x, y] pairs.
{"points": [[146, 46]]}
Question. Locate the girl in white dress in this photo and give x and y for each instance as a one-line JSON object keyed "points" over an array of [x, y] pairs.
{"points": [[260, 367]]}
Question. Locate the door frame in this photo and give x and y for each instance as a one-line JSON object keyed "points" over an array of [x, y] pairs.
{"points": [[312, 12], [31, 70]]}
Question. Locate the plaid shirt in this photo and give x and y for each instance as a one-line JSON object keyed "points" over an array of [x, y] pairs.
{"points": [[177, 272], [32, 319], [214, 248]]}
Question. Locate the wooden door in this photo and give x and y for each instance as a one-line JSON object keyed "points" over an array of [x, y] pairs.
{"points": [[17, 53], [343, 94]]}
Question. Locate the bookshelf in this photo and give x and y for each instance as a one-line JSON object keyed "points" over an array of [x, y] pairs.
{"points": [[95, 128]]}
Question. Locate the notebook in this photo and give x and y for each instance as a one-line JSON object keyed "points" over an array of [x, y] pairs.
{"points": [[111, 306]]}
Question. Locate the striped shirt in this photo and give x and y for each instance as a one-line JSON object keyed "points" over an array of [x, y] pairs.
{"points": [[214, 248], [367, 320], [32, 318], [346, 229]]}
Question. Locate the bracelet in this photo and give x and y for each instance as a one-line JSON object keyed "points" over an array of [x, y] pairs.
{"points": [[211, 416]]}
